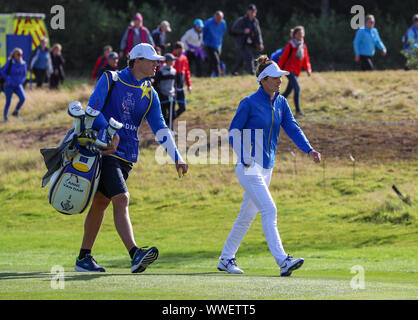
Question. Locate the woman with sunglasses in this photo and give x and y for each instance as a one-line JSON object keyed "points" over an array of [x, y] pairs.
{"points": [[14, 75]]}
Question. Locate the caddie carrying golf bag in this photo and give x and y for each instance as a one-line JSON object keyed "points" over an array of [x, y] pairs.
{"points": [[73, 184]]}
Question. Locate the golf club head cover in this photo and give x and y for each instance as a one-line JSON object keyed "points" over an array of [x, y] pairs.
{"points": [[76, 110], [91, 115]]}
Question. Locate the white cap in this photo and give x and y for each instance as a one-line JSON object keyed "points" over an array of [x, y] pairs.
{"points": [[144, 50], [166, 24], [272, 70]]}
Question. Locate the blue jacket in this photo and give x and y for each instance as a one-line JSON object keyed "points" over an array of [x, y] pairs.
{"points": [[257, 111], [412, 37], [213, 33], [366, 40], [42, 60], [17, 74], [130, 102]]}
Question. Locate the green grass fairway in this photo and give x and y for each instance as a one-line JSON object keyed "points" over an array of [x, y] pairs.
{"points": [[325, 275], [337, 223]]}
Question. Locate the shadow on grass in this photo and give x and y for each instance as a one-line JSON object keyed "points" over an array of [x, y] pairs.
{"points": [[24, 275]]}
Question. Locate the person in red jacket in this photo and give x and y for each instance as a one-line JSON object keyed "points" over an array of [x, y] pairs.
{"points": [[295, 57], [183, 75], [101, 62]]}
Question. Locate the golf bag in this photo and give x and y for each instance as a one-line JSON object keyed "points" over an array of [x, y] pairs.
{"points": [[74, 167], [73, 186]]}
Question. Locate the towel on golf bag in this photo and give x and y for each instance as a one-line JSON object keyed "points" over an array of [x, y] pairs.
{"points": [[53, 157]]}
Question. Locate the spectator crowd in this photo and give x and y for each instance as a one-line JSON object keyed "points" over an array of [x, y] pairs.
{"points": [[197, 53]]}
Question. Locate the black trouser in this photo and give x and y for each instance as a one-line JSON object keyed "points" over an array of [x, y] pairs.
{"points": [[165, 109], [214, 56], [245, 55], [366, 63], [293, 85], [181, 101], [54, 81], [40, 76], [197, 61]]}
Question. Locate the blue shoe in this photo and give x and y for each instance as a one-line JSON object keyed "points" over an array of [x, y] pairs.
{"points": [[289, 265], [88, 264], [143, 257]]}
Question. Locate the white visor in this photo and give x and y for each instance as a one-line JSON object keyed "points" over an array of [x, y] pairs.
{"points": [[272, 70]]}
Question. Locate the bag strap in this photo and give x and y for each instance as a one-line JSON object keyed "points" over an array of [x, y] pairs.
{"points": [[114, 77]]}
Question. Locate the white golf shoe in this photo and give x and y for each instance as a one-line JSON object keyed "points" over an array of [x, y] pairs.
{"points": [[229, 265], [289, 265]]}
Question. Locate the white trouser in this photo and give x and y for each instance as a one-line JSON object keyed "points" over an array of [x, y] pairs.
{"points": [[257, 198]]}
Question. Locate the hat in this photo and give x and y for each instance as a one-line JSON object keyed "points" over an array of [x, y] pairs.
{"points": [[170, 57], [138, 16], [198, 23], [144, 50], [165, 24], [252, 7], [272, 70], [113, 55]]}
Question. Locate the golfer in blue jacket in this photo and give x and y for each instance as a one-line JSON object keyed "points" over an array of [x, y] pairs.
{"points": [[131, 100], [254, 134]]}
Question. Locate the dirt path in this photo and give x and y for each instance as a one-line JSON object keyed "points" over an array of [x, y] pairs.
{"points": [[365, 142]]}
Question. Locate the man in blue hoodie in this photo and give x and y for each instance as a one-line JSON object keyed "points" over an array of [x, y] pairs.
{"points": [[365, 42], [213, 33]]}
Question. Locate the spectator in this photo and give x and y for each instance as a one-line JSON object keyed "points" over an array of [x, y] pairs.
{"points": [[159, 52], [41, 63], [295, 57], [164, 83], [135, 34], [57, 66], [14, 73], [182, 75], [365, 42], [247, 38], [101, 62], [111, 65], [193, 43], [159, 35], [213, 33], [411, 39]]}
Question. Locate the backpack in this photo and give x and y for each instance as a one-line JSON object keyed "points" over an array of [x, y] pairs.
{"points": [[275, 56], [73, 185], [2, 80]]}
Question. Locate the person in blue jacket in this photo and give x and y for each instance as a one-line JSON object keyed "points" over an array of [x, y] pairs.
{"points": [[411, 37], [41, 63], [14, 75], [254, 134], [213, 32], [365, 42], [131, 100]]}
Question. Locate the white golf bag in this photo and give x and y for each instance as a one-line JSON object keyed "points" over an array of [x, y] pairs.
{"points": [[74, 184]]}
